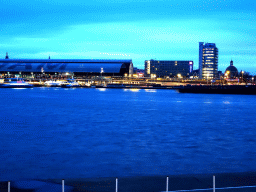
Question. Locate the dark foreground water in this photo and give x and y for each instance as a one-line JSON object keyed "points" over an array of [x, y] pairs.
{"points": [[80, 133]]}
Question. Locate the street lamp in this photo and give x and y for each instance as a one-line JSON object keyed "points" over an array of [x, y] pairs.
{"points": [[101, 71], [227, 73], [153, 76], [207, 77], [179, 77]]}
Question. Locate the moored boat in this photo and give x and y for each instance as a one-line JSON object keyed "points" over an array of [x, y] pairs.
{"points": [[15, 83], [71, 83], [53, 83]]}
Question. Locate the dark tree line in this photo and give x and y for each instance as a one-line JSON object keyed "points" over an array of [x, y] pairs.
{"points": [[247, 77]]}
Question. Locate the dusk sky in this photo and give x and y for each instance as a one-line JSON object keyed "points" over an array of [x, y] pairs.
{"points": [[129, 29]]}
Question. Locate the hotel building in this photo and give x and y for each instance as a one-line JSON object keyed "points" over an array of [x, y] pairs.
{"points": [[208, 60], [156, 68]]}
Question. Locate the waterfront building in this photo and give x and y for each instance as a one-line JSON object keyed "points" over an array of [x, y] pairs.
{"points": [[220, 74], [195, 74], [76, 67], [231, 71], [138, 72], [208, 60], [160, 68]]}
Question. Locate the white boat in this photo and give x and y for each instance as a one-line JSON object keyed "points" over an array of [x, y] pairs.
{"points": [[15, 83], [53, 83], [70, 83]]}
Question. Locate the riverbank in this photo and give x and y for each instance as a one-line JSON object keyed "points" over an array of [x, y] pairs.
{"points": [[140, 184], [219, 89], [158, 183]]}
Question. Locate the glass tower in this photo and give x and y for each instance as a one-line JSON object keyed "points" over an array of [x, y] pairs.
{"points": [[208, 60]]}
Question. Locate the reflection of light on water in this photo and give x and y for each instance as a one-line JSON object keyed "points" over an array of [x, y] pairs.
{"points": [[150, 90], [19, 88], [126, 89], [208, 102], [226, 102], [135, 90], [67, 89], [102, 89], [179, 101]]}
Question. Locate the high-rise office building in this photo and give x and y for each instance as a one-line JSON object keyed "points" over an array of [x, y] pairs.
{"points": [[208, 60]]}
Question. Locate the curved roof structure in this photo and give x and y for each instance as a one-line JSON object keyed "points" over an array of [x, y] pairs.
{"points": [[232, 69], [65, 60], [63, 65]]}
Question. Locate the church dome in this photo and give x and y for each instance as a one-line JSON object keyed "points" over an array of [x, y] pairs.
{"points": [[231, 70]]}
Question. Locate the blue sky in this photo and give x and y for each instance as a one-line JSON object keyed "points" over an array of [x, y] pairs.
{"points": [[129, 29]]}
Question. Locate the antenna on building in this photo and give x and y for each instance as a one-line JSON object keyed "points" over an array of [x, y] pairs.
{"points": [[49, 57], [6, 57]]}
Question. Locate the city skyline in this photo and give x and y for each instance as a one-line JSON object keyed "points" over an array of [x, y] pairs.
{"points": [[137, 30]]}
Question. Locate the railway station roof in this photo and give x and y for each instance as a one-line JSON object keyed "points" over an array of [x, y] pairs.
{"points": [[62, 65]]}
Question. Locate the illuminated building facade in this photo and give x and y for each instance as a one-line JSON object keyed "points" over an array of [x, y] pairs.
{"points": [[208, 60], [156, 68]]}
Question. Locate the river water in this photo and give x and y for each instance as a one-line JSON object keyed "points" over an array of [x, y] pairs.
{"points": [[85, 133]]}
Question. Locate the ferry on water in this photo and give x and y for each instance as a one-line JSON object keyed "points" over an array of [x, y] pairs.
{"points": [[53, 83], [71, 83], [14, 83]]}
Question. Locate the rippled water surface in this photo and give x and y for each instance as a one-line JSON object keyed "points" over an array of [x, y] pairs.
{"points": [[74, 133]]}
